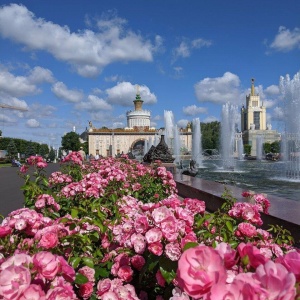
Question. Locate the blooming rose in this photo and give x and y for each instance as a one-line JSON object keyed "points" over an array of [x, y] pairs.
{"points": [[278, 282], [228, 254], [199, 269], [103, 286], [88, 272], [33, 292], [125, 273], [4, 231], [13, 281], [138, 261], [156, 248], [86, 290], [60, 293], [247, 229], [173, 251], [48, 240], [46, 264], [153, 235], [291, 261]]}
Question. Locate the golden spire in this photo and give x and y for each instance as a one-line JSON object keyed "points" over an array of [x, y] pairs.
{"points": [[252, 87]]}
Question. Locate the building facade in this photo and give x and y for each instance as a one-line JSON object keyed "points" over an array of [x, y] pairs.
{"points": [[254, 125], [137, 135]]}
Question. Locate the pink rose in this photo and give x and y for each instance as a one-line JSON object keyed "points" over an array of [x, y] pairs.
{"points": [[86, 290], [173, 251], [138, 261], [48, 240], [153, 235], [250, 255], [247, 229], [60, 293], [169, 228], [20, 224], [199, 269], [46, 264], [18, 259], [110, 296], [156, 248], [291, 261], [33, 292], [228, 254], [88, 272], [103, 286], [13, 281], [125, 273], [160, 214], [141, 224], [67, 271], [4, 231], [278, 282]]}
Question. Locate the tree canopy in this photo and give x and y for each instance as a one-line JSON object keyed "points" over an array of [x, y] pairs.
{"points": [[70, 141]]}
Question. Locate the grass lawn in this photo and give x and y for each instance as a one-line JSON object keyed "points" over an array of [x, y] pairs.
{"points": [[5, 165]]}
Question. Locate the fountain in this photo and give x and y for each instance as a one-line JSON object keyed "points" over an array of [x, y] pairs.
{"points": [[259, 147], [240, 145], [176, 149], [228, 130], [169, 128], [197, 142], [290, 89]]}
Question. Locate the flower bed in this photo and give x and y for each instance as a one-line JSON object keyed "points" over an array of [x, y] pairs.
{"points": [[116, 229]]}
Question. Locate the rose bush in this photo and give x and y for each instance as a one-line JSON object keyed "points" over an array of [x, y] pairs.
{"points": [[116, 229]]}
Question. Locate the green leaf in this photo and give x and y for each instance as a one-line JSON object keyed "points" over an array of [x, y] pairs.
{"points": [[190, 245], [88, 262], [229, 226], [168, 276], [74, 213], [101, 272], [80, 279], [75, 262]]}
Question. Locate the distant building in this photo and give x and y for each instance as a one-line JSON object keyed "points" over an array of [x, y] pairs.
{"points": [[134, 137], [254, 122]]}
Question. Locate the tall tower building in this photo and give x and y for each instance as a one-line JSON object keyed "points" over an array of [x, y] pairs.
{"points": [[253, 117], [254, 122]]}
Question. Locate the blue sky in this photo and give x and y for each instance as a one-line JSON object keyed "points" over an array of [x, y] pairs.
{"points": [[70, 62]]}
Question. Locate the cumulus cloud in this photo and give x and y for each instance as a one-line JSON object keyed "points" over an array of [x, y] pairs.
{"points": [[182, 123], [44, 111], [32, 123], [124, 93], [278, 113], [186, 47], [272, 90], [193, 110], [61, 91], [87, 51], [12, 101], [286, 40], [40, 75], [93, 103], [219, 90]]}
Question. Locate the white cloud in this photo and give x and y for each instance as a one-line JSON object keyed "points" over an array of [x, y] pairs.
{"points": [[124, 93], [93, 104], [32, 123], [60, 90], [193, 110], [39, 75], [35, 109], [182, 123], [16, 86], [278, 113], [286, 40], [272, 90], [199, 43], [118, 125], [112, 78], [88, 51], [219, 90], [185, 47]]}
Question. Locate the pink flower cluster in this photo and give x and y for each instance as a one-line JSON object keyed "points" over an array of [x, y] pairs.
{"points": [[115, 290], [37, 161], [48, 201], [217, 274], [260, 200], [59, 178], [73, 157], [161, 228], [41, 276], [92, 185]]}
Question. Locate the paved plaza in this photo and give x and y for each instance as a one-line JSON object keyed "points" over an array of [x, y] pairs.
{"points": [[11, 195]]}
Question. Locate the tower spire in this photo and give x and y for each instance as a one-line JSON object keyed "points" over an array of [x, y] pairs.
{"points": [[252, 87]]}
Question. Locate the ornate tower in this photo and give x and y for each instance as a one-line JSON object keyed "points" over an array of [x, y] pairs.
{"points": [[253, 117], [139, 118]]}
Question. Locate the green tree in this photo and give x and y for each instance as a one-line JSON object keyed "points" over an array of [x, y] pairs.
{"points": [[267, 147], [44, 150], [247, 149], [12, 150], [70, 141], [30, 150], [0, 132], [210, 135], [276, 147]]}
